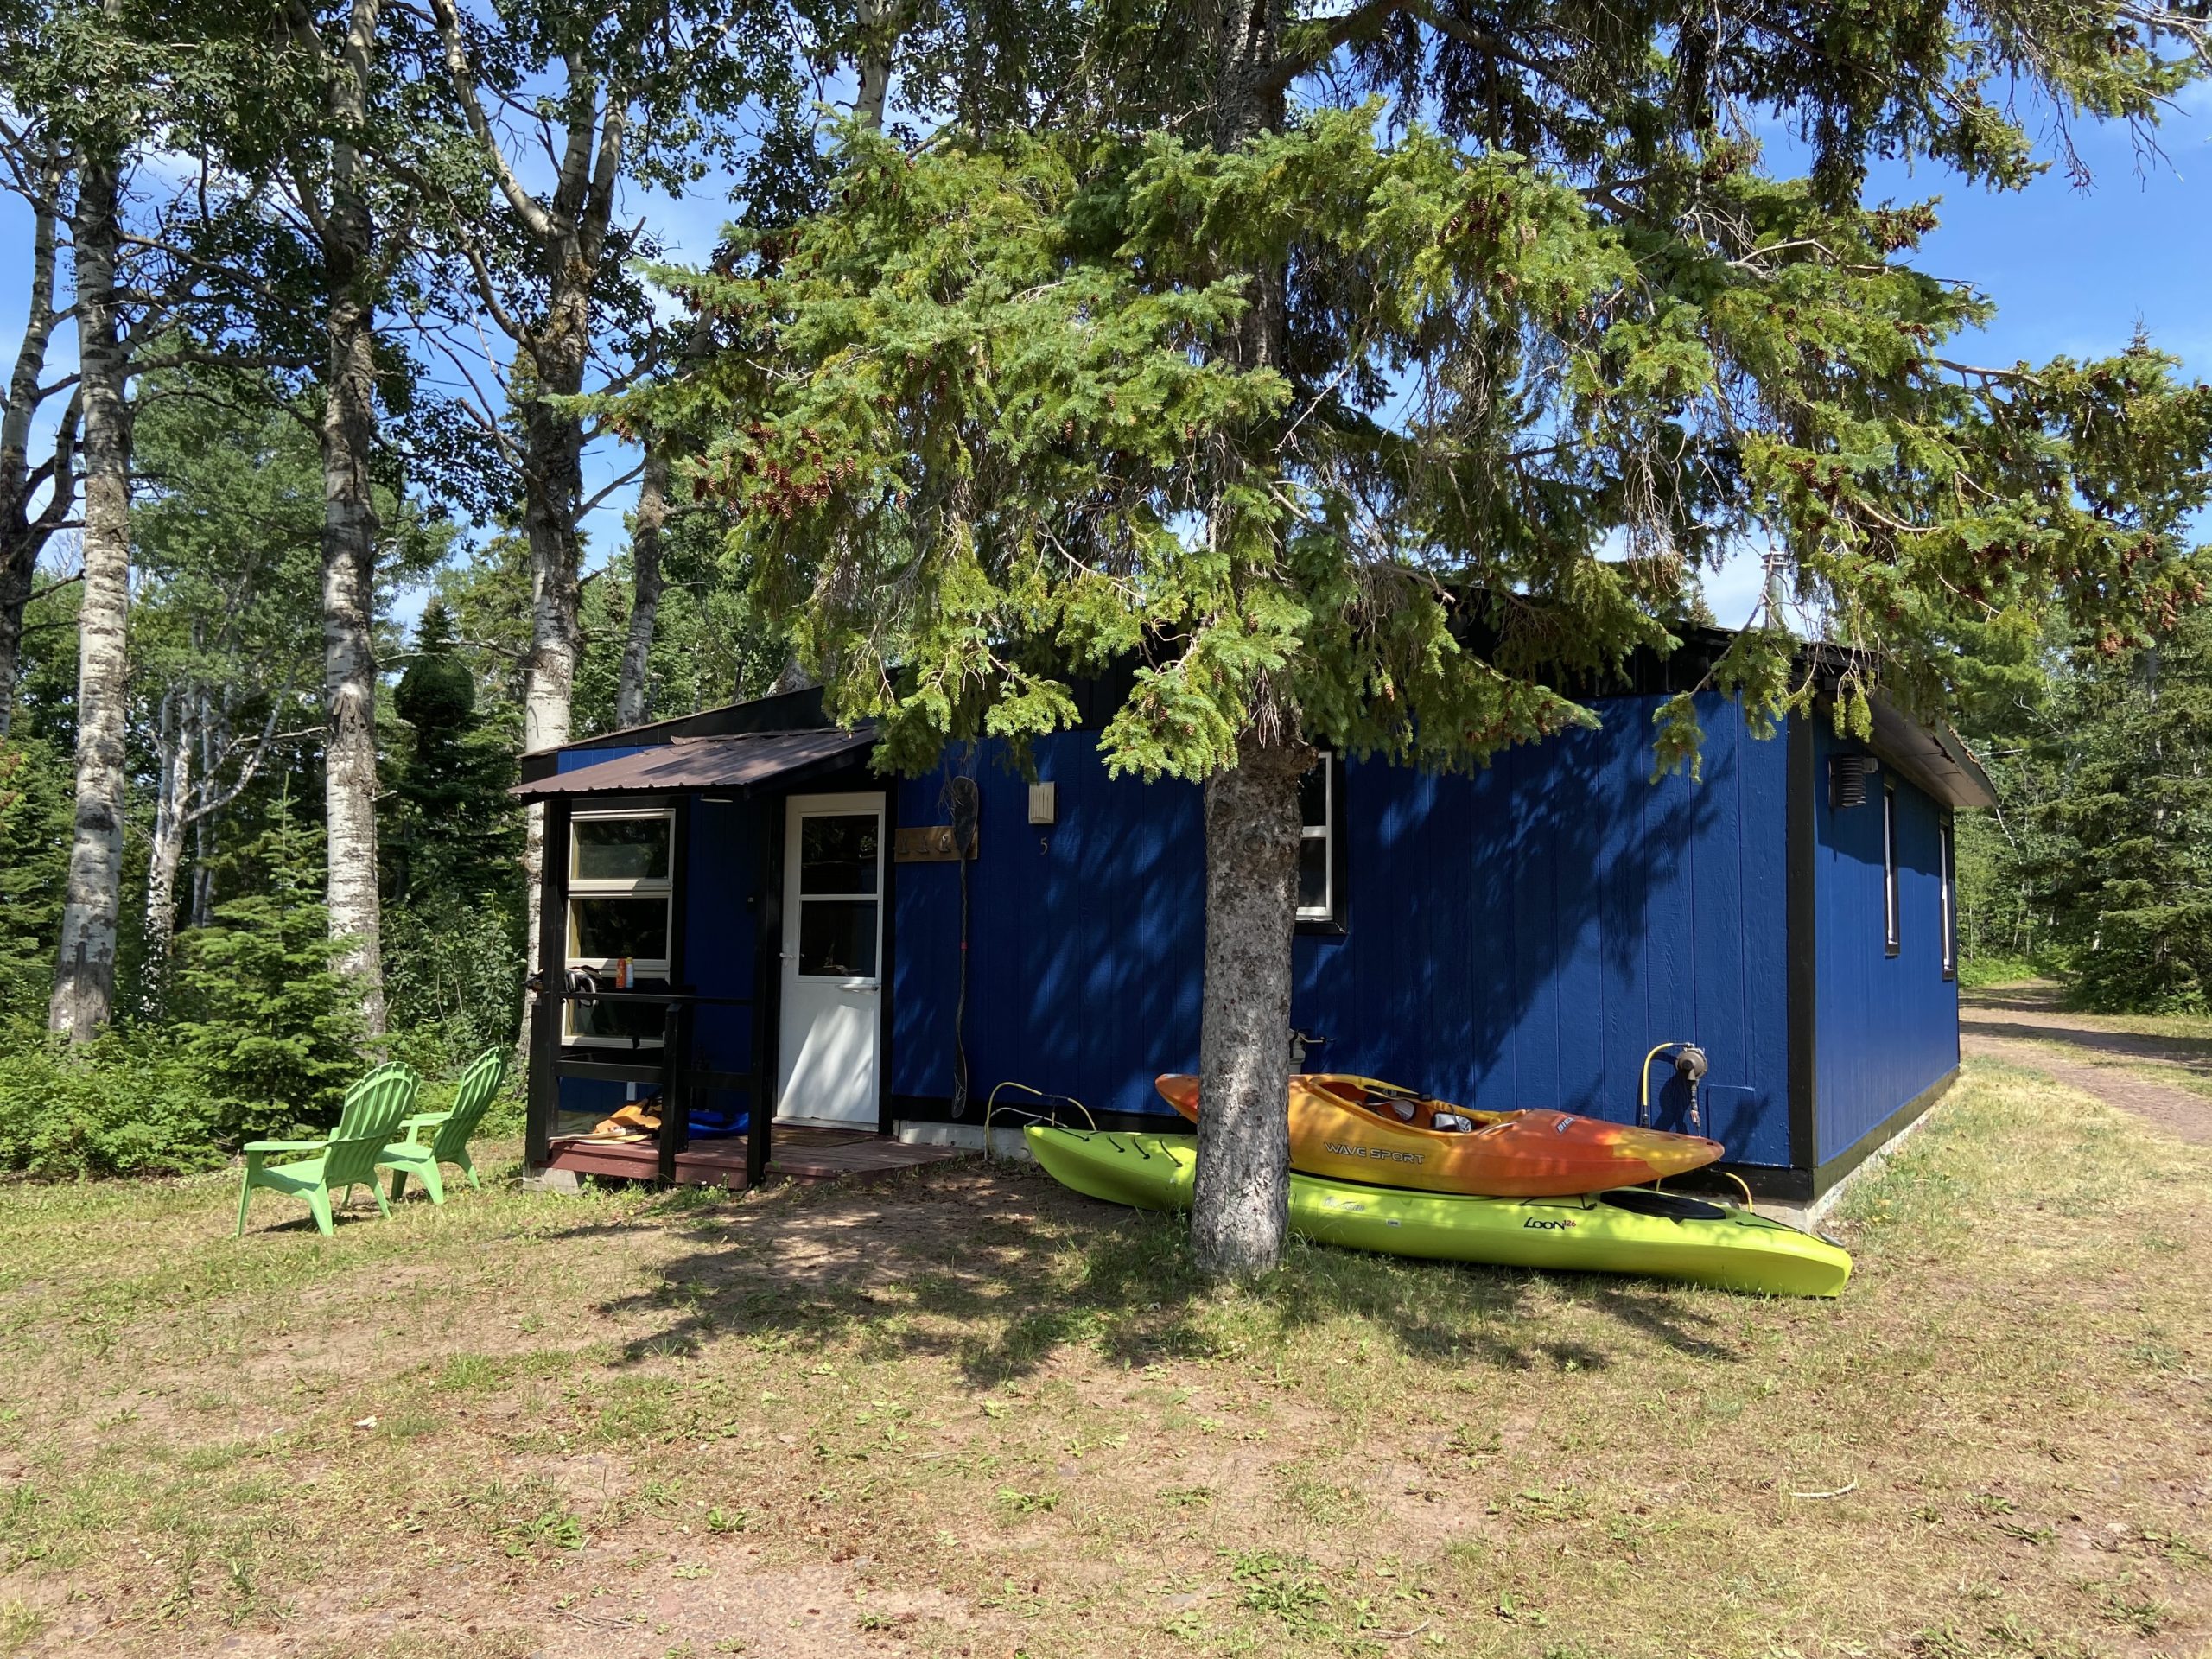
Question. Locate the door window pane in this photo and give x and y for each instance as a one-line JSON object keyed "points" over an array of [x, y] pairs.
{"points": [[836, 938], [838, 854], [602, 927], [646, 1022], [620, 849]]}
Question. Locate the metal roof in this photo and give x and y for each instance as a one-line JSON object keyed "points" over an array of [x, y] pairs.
{"points": [[739, 760], [1934, 756]]}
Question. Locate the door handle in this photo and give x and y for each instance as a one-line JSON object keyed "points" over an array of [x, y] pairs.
{"points": [[862, 986]]}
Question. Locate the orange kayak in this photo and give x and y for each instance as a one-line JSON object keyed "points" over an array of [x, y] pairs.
{"points": [[1350, 1128]]}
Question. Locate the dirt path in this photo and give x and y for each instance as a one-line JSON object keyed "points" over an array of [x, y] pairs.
{"points": [[2026, 1025]]}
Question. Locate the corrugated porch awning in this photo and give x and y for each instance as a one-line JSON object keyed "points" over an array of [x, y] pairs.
{"points": [[740, 760]]}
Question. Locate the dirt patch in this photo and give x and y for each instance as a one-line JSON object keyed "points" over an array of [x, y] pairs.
{"points": [[604, 1605], [2025, 1025]]}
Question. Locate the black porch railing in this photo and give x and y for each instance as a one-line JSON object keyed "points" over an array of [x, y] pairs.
{"points": [[676, 1075]]}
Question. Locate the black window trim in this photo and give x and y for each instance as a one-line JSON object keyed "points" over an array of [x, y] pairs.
{"points": [[664, 888]]}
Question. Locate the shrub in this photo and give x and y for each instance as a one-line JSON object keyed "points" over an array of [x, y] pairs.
{"points": [[123, 1105], [453, 984]]}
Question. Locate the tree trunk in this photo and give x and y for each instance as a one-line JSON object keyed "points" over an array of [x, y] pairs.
{"points": [[24, 534], [631, 706], [349, 540], [880, 27], [552, 492], [84, 978], [174, 741], [1240, 1209]]}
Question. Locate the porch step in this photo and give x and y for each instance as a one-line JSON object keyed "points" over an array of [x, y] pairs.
{"points": [[795, 1156]]}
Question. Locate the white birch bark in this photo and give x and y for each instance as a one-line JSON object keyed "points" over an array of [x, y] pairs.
{"points": [[349, 535], [24, 532], [84, 979], [175, 739]]}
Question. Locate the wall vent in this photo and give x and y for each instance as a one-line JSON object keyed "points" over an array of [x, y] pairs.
{"points": [[1847, 776]]}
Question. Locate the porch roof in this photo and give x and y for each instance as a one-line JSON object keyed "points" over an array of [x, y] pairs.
{"points": [[740, 760]]}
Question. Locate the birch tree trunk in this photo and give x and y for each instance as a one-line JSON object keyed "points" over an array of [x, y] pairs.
{"points": [[349, 538], [880, 24], [552, 490], [23, 533], [84, 978], [175, 739], [1240, 1209], [631, 704]]}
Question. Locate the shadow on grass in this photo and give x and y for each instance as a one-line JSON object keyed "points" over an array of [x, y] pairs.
{"points": [[998, 1269]]}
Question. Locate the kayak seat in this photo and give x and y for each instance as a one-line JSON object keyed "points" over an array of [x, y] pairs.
{"points": [[1451, 1122]]}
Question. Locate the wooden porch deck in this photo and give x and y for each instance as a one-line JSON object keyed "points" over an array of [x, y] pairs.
{"points": [[795, 1155]]}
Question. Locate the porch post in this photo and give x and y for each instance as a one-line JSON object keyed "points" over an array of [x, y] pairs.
{"points": [[675, 1088], [544, 1091]]}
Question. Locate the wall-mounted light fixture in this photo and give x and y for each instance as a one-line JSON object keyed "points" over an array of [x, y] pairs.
{"points": [[1043, 803]]}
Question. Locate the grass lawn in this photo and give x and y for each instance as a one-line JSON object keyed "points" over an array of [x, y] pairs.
{"points": [[964, 1413]]}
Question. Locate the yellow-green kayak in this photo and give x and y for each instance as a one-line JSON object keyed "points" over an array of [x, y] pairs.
{"points": [[1628, 1230]]}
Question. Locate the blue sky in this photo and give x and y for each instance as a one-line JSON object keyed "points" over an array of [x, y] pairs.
{"points": [[2073, 271]]}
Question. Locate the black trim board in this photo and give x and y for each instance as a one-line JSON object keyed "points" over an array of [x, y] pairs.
{"points": [[887, 954], [1829, 1174]]}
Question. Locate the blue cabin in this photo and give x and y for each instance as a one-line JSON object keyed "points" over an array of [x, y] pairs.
{"points": [[741, 917]]}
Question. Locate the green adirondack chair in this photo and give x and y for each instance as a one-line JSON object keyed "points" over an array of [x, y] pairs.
{"points": [[346, 1157], [479, 1086]]}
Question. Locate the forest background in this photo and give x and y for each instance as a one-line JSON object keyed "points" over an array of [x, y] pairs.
{"points": [[505, 572]]}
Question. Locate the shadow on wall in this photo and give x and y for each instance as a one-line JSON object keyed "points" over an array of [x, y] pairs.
{"points": [[1523, 937], [1520, 936], [1085, 941]]}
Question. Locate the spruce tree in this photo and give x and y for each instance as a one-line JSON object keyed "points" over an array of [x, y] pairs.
{"points": [[272, 1026], [2125, 861], [1354, 430], [454, 934], [34, 810]]}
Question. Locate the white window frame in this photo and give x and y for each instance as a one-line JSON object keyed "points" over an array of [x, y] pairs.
{"points": [[602, 887], [1948, 856], [1325, 832], [1892, 923]]}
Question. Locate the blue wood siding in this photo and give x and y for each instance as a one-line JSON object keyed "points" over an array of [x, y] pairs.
{"points": [[721, 923], [577, 759], [1084, 937], [1887, 1026], [1519, 937]]}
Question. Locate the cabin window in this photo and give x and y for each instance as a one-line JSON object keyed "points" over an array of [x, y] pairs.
{"points": [[1319, 879], [1889, 918], [621, 904], [1947, 853]]}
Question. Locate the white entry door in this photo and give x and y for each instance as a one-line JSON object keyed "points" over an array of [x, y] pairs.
{"points": [[829, 1055]]}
